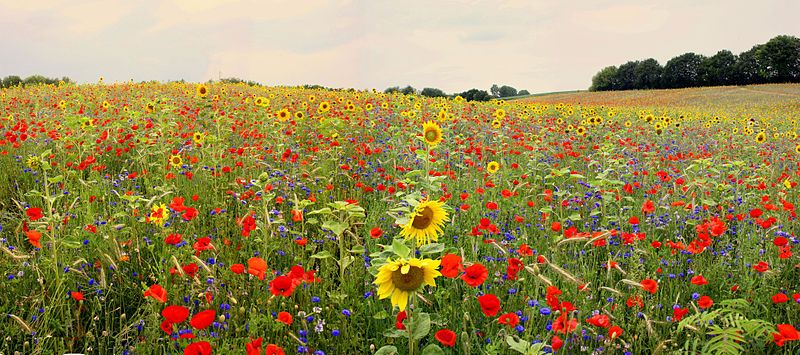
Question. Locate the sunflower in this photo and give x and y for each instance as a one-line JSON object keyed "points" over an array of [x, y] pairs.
{"points": [[431, 133], [797, 149], [369, 107], [580, 130], [34, 163], [202, 90], [198, 137], [397, 279], [324, 106], [175, 160], [500, 113], [283, 115], [298, 115], [426, 222], [492, 167], [761, 137], [496, 123]]}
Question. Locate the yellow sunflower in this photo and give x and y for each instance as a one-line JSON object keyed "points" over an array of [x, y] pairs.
{"points": [[175, 160], [496, 123], [198, 137], [283, 115], [202, 90], [761, 137], [492, 167], [398, 279], [426, 222], [431, 133], [324, 106], [500, 113]]}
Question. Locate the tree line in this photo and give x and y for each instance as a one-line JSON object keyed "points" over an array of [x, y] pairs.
{"points": [[495, 92], [14, 80], [777, 61]]}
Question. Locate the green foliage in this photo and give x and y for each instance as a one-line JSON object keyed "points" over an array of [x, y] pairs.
{"points": [[475, 95], [724, 330], [604, 79], [432, 92]]}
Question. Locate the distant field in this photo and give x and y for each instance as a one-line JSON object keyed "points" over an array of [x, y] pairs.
{"points": [[729, 99]]}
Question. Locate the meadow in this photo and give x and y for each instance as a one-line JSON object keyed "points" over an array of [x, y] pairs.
{"points": [[219, 218]]}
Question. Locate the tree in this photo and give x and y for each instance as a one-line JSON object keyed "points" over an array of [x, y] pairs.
{"points": [[392, 90], [523, 92], [475, 95], [647, 74], [11, 80], [682, 71], [604, 79], [718, 69], [432, 92], [780, 59], [624, 77], [747, 68], [495, 90], [408, 90], [507, 91]]}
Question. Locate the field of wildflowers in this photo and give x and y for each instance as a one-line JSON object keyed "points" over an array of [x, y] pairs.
{"points": [[212, 218]]}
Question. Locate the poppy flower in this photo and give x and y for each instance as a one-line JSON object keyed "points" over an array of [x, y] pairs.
{"points": [[761, 266], [285, 318], [203, 319], [490, 304], [649, 285], [564, 325], [281, 285], [556, 343], [375, 233], [198, 348], [34, 213], [599, 320], [446, 337], [780, 298], [786, 332], [614, 331], [648, 207], [157, 292], [33, 238], [555, 227], [475, 275], [173, 239], [237, 268], [451, 265], [78, 296], [699, 280], [491, 205], [257, 267], [175, 314], [253, 347], [705, 302], [401, 316], [510, 319], [273, 349], [678, 313]]}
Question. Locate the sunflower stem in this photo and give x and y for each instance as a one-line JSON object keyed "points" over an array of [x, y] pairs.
{"points": [[411, 341]]}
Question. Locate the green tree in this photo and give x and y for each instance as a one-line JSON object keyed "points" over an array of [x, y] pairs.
{"points": [[523, 92], [495, 90], [718, 69], [432, 92], [780, 59], [624, 77], [507, 91], [683, 71], [11, 80], [747, 68], [604, 79], [476, 95], [647, 74], [408, 90]]}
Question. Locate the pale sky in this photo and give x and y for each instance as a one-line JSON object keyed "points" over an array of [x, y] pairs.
{"points": [[540, 46]]}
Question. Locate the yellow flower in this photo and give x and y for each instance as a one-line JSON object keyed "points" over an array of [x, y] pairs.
{"points": [[283, 115], [431, 133], [175, 160], [500, 113], [496, 123], [425, 224], [492, 167], [398, 279], [158, 214], [198, 137], [324, 106], [202, 90], [761, 137]]}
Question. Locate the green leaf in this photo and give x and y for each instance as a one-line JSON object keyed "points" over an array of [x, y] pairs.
{"points": [[432, 349], [324, 210], [322, 255], [358, 249], [420, 325], [401, 249], [55, 179], [381, 315], [432, 248], [335, 226], [387, 350], [575, 217]]}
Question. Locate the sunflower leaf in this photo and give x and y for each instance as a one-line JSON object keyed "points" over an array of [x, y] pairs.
{"points": [[401, 249], [432, 349], [420, 325]]}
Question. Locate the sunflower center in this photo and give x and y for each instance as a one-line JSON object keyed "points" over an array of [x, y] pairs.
{"points": [[431, 136], [409, 281], [423, 219]]}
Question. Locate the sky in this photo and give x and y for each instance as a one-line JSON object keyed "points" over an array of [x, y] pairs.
{"points": [[538, 45]]}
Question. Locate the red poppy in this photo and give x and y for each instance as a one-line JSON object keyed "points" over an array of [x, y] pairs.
{"points": [[297, 215], [166, 326], [614, 331], [34, 213], [446, 337], [475, 275], [699, 280], [203, 319], [491, 205], [649, 285], [564, 325], [157, 292], [198, 348], [34, 237], [556, 343], [678, 313], [399, 320], [490, 304], [510, 319], [285, 318], [237, 268], [780, 298], [556, 227], [175, 314], [599, 320], [633, 220], [257, 267], [173, 239], [281, 285], [786, 332], [451, 265], [375, 233], [273, 349], [648, 207], [253, 347], [78, 296], [705, 302], [761, 266]]}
